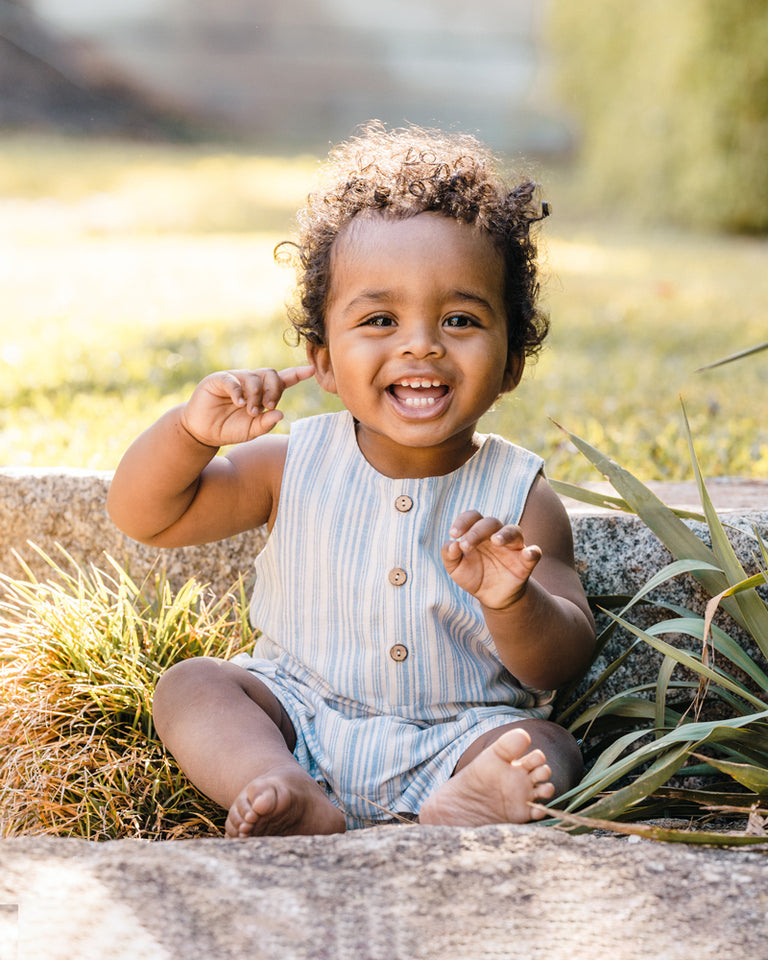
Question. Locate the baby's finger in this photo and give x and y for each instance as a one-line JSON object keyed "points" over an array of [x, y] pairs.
{"points": [[509, 535], [480, 531], [272, 388], [263, 422], [276, 382], [226, 384], [253, 390], [293, 375], [463, 522]]}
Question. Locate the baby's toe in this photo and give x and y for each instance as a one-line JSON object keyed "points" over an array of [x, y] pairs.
{"points": [[532, 762], [540, 774], [544, 790], [512, 744], [537, 814]]}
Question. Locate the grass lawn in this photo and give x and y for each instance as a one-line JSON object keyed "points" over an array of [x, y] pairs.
{"points": [[128, 271]]}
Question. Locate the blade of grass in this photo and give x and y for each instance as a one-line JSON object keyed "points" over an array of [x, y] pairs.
{"points": [[610, 766], [653, 832], [673, 533], [747, 774], [692, 663], [734, 356], [666, 669], [594, 498], [752, 607], [696, 628], [658, 773]]}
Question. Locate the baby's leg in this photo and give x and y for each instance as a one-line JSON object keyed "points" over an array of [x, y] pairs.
{"points": [[233, 739], [505, 770]]}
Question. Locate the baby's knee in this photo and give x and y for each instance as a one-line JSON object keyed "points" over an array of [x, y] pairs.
{"points": [[560, 747], [179, 685]]}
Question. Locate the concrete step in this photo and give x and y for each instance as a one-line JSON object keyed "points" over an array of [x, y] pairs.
{"points": [[386, 893]]}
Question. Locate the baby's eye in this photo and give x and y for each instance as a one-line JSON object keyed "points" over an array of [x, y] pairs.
{"points": [[378, 321], [458, 320]]}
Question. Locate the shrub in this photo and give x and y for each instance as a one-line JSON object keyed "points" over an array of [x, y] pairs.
{"points": [[711, 723], [671, 106], [81, 655]]}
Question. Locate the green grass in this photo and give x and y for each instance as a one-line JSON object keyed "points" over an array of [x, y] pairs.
{"points": [[81, 653], [130, 271]]}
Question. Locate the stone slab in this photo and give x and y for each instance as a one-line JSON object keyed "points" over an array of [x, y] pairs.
{"points": [[386, 893], [66, 508], [615, 552]]}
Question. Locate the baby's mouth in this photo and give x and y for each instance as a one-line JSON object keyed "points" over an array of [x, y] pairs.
{"points": [[418, 391]]}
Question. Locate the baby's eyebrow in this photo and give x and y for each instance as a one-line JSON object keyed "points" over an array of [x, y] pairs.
{"points": [[468, 297], [369, 297]]}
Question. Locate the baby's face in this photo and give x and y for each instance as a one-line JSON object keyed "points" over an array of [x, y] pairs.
{"points": [[416, 338]]}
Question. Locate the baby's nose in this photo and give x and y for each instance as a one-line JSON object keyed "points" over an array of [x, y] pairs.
{"points": [[421, 340]]}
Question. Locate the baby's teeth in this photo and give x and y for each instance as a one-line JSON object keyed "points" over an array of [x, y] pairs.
{"points": [[420, 401], [415, 384]]}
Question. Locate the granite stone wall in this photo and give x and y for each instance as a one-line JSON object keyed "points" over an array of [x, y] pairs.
{"points": [[64, 509]]}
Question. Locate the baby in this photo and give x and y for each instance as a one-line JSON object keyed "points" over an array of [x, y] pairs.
{"points": [[412, 634]]}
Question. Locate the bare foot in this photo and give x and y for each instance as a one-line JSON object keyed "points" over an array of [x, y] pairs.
{"points": [[283, 803], [496, 787]]}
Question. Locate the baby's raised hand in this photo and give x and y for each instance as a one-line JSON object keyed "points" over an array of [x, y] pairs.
{"points": [[238, 405], [488, 559]]}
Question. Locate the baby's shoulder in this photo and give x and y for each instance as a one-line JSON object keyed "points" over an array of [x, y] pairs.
{"points": [[545, 519]]}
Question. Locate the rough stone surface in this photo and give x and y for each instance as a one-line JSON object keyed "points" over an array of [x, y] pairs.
{"points": [[388, 893], [66, 508], [615, 552]]}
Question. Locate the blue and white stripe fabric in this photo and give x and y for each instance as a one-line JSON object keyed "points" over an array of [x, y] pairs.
{"points": [[382, 662]]}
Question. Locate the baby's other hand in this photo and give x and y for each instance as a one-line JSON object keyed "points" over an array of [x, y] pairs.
{"points": [[237, 405], [489, 559]]}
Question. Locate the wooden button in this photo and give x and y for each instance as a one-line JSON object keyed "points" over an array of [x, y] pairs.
{"points": [[397, 577], [399, 652], [403, 503]]}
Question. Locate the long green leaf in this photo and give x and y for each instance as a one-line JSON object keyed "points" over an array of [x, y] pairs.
{"points": [[663, 680], [594, 498], [681, 542], [696, 627], [749, 584], [653, 832], [692, 663], [591, 497], [608, 769], [747, 774], [753, 609], [657, 774]]}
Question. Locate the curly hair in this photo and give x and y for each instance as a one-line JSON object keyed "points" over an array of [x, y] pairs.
{"points": [[404, 172]]}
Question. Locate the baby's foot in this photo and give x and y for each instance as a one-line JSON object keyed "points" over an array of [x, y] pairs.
{"points": [[496, 787], [283, 803]]}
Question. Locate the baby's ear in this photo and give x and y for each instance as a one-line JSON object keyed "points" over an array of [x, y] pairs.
{"points": [[513, 372], [319, 355]]}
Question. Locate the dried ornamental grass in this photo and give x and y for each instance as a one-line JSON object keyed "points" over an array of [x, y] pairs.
{"points": [[81, 653]]}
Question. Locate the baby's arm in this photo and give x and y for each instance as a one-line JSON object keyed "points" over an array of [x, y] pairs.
{"points": [[170, 488], [532, 600]]}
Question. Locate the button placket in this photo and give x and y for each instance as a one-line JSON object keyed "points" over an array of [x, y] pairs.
{"points": [[397, 576]]}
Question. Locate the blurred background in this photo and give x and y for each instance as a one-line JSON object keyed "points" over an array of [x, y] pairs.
{"points": [[153, 152]]}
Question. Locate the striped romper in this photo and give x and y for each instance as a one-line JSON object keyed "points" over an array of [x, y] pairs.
{"points": [[383, 664]]}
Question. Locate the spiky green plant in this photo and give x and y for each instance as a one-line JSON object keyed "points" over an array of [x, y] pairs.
{"points": [[711, 723], [81, 653]]}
